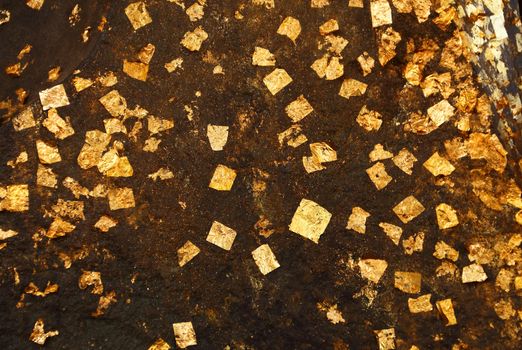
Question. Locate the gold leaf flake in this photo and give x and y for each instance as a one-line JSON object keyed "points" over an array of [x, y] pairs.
{"points": [[24, 120], [379, 176], [441, 112], [151, 144], [369, 120], [81, 84], [59, 228], [312, 164], [121, 198], [192, 41], [413, 243], [114, 126], [47, 153], [269, 4], [381, 13], [185, 334], [446, 216], [57, 125], [435, 82], [310, 220], [162, 174], [488, 147], [105, 223], [408, 209], [136, 70], [14, 198], [187, 252], [35, 5], [121, 167], [292, 136], [277, 80], [333, 314], [159, 344], [103, 303], [372, 269], [91, 153], [33, 289], [70, 209], [504, 280], [263, 57], [114, 103], [319, 3], [108, 79], [54, 97], [265, 259], [473, 273], [366, 62], [54, 74], [138, 15], [174, 65], [504, 309], [405, 160], [389, 39], [217, 136], [445, 308], [298, 109], [438, 165], [20, 159], [420, 304], [334, 69], [195, 11], [290, 27], [156, 125], [320, 65], [39, 335], [7, 234], [221, 235], [91, 278], [445, 251], [386, 338], [393, 232], [75, 187], [403, 6], [335, 44], [357, 220], [351, 88], [322, 152], [419, 124], [328, 27], [379, 153], [223, 178], [408, 282]]}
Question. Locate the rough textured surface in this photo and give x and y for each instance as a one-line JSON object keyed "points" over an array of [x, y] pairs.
{"points": [[228, 301]]}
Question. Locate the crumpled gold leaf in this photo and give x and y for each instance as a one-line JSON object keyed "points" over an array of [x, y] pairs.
{"points": [[105, 223], [39, 335], [405, 161], [91, 153], [381, 13], [310, 220], [408, 282], [277, 80], [393, 232], [352, 87], [408, 209], [91, 278], [488, 147], [121, 198], [445, 308], [59, 228], [184, 334], [372, 269], [192, 41], [57, 125], [357, 220], [14, 198], [138, 15], [223, 178], [54, 97], [298, 109], [103, 303], [263, 57], [420, 304], [290, 27], [159, 344], [438, 165], [221, 235], [47, 152], [265, 259], [446, 216], [187, 252], [389, 39], [217, 136], [377, 173]]}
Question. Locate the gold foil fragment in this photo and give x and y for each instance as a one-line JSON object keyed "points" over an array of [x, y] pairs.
{"points": [[408, 209], [24, 120], [369, 120], [195, 11], [441, 112], [159, 344], [357, 220], [39, 335], [413, 243], [33, 289], [408, 282], [405, 161], [298, 109], [156, 125], [14, 198], [372, 269], [381, 13], [488, 147], [377, 173], [473, 273], [445, 251], [57, 125], [91, 279], [81, 84], [385, 338], [59, 228], [366, 62], [312, 164], [138, 15], [192, 41], [445, 308], [136, 70], [328, 27], [174, 65], [151, 144], [114, 103], [292, 136], [389, 39], [221, 235], [265, 259], [420, 304], [438, 165], [105, 223], [310, 220], [446, 216], [277, 80], [217, 136], [47, 153], [379, 153], [162, 174], [103, 303], [54, 97], [184, 334], [351, 88], [121, 198], [187, 252], [263, 57], [223, 178], [393, 232], [333, 314], [290, 27]]}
